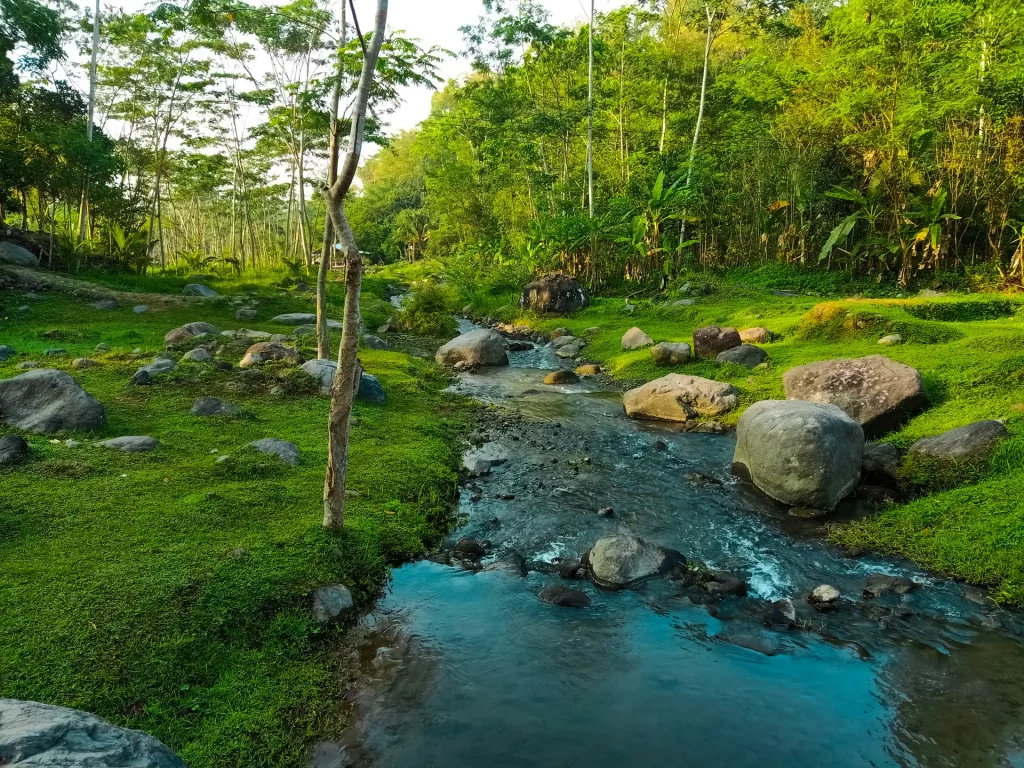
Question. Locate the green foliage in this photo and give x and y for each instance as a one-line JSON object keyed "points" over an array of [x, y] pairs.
{"points": [[428, 310]]}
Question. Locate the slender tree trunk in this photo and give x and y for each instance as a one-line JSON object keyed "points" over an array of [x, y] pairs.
{"points": [[83, 209], [590, 116], [664, 117], [323, 351], [700, 110], [346, 379]]}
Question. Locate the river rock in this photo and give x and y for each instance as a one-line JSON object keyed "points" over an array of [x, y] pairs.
{"points": [[132, 444], [746, 355], [479, 347], [824, 597], [635, 338], [622, 561], [563, 341], [881, 464], [588, 370], [187, 332], [879, 393], [781, 613], [469, 548], [561, 377], [33, 734], [331, 603], [565, 597], [13, 449], [287, 452], [710, 342], [49, 401], [756, 335], [879, 584], [266, 351], [802, 454], [214, 406], [200, 290], [671, 353], [481, 459], [972, 443], [303, 318], [107, 304], [554, 294], [6, 353], [677, 397], [11, 253], [568, 352], [198, 355]]}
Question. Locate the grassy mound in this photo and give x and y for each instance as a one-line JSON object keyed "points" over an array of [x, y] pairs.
{"points": [[170, 592]]}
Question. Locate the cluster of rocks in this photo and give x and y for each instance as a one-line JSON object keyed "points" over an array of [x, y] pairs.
{"points": [[725, 345]]}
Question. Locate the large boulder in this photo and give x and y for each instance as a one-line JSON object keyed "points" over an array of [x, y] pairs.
{"points": [[972, 443], [49, 401], [635, 338], [187, 332], [677, 397], [710, 342], [746, 355], [879, 393], [266, 351], [555, 294], [12, 253], [202, 291], [479, 347], [670, 353], [619, 562], [802, 454], [33, 734], [370, 389]]}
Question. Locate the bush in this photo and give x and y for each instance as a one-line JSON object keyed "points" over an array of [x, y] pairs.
{"points": [[429, 310]]}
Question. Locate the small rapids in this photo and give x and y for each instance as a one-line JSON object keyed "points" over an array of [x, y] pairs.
{"points": [[465, 669]]}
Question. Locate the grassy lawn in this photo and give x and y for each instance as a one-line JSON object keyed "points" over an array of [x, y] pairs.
{"points": [[968, 347], [171, 593]]}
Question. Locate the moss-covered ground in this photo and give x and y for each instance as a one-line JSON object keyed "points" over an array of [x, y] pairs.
{"points": [[968, 522], [170, 592]]}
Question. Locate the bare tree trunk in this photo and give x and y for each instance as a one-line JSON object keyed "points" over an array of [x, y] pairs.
{"points": [[700, 110], [590, 116], [664, 118], [346, 379], [92, 111], [332, 176]]}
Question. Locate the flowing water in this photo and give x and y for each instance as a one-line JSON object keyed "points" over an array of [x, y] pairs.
{"points": [[472, 669]]}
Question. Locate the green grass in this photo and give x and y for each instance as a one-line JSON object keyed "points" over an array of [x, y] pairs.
{"points": [[968, 349], [121, 592]]}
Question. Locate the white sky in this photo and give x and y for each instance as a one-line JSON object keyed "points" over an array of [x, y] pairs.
{"points": [[433, 23]]}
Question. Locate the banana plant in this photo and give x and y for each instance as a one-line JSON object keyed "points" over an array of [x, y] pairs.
{"points": [[868, 210], [929, 216]]}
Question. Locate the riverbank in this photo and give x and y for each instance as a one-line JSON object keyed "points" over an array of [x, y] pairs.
{"points": [[170, 592], [966, 524]]}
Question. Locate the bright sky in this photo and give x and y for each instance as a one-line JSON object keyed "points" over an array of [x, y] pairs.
{"points": [[433, 23]]}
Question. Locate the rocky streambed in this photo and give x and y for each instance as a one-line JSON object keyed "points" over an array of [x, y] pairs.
{"points": [[740, 637]]}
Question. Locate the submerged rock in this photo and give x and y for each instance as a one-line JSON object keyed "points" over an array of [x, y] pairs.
{"points": [[879, 393], [33, 734], [802, 454], [49, 401], [879, 584], [561, 377], [479, 347], [677, 397], [781, 613], [565, 597], [619, 562]]}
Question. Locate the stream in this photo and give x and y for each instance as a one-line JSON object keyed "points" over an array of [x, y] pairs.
{"points": [[464, 669]]}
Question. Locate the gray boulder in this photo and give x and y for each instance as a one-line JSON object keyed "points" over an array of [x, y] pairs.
{"points": [[187, 332], [710, 342], [323, 371], [370, 390], [6, 353], [881, 464], [49, 401], [214, 406], [246, 315], [480, 460], [480, 347], [802, 454], [331, 603], [33, 734], [635, 338], [202, 291], [108, 304], [198, 355], [746, 355], [974, 442], [13, 449], [158, 367], [287, 452], [10, 253], [133, 444], [677, 397], [304, 318], [669, 353], [623, 561], [374, 342], [878, 393]]}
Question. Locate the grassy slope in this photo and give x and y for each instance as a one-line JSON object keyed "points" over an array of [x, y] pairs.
{"points": [[973, 369], [119, 593]]}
